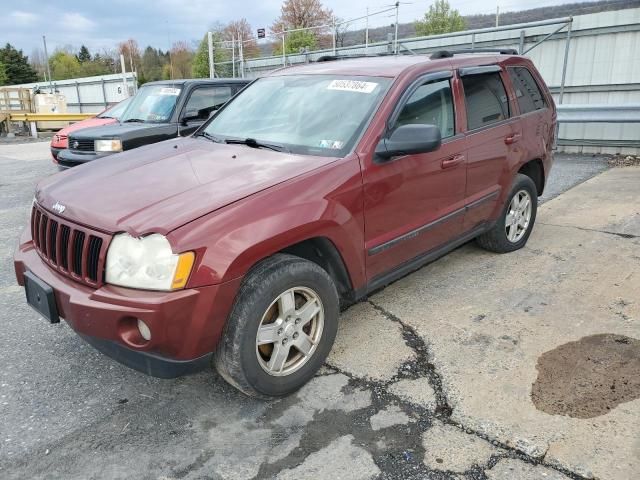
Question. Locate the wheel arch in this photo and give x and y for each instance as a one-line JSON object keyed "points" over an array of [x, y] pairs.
{"points": [[534, 169], [323, 252]]}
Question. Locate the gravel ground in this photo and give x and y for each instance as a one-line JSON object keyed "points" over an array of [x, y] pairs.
{"points": [[67, 411]]}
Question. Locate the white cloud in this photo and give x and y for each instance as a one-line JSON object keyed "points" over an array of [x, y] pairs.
{"points": [[76, 21], [23, 19]]}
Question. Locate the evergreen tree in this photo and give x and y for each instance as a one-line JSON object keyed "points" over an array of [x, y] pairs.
{"points": [[83, 55], [151, 65], [16, 66], [3, 74]]}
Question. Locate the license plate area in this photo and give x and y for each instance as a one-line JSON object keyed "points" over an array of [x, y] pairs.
{"points": [[40, 297]]}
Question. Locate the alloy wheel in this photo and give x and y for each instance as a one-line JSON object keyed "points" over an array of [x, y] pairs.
{"points": [[518, 216], [289, 331]]}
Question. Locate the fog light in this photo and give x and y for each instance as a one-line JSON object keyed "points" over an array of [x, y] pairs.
{"points": [[144, 330]]}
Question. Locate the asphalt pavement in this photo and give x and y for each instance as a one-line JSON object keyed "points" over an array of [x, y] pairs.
{"points": [[421, 384]]}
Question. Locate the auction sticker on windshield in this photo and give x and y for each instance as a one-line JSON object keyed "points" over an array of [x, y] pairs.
{"points": [[170, 91], [352, 86]]}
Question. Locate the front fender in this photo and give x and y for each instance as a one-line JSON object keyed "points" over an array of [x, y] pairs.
{"points": [[327, 203]]}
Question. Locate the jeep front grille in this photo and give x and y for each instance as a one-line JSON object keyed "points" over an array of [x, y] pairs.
{"points": [[72, 250]]}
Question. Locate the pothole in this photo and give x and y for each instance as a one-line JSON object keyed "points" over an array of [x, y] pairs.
{"points": [[589, 377]]}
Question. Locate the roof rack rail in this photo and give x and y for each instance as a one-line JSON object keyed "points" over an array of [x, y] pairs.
{"points": [[331, 58], [450, 53]]}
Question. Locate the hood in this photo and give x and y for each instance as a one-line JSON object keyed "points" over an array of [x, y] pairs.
{"points": [[123, 131], [88, 123], [160, 187]]}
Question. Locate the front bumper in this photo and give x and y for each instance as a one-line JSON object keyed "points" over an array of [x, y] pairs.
{"points": [[54, 153], [185, 325], [66, 158]]}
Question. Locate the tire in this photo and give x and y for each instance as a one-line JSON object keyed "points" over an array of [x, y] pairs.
{"points": [[245, 364], [497, 239]]}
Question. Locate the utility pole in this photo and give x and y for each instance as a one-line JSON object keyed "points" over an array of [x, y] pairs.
{"points": [[497, 15], [335, 33], [396, 34], [366, 33], [46, 58], [284, 55], [233, 56], [241, 57], [131, 64], [212, 67], [124, 76]]}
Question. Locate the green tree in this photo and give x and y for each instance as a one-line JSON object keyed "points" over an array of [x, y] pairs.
{"points": [[64, 66], [3, 74], [201, 59], [84, 55], [440, 18], [17, 66], [94, 68], [151, 65], [295, 41]]}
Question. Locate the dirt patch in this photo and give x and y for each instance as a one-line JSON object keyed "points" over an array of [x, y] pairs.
{"points": [[589, 377], [624, 161]]}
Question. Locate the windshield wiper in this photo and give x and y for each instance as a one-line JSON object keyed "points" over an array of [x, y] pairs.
{"points": [[208, 136], [134, 120], [253, 143]]}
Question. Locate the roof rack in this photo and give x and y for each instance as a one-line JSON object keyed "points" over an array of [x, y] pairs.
{"points": [[331, 58], [450, 53]]}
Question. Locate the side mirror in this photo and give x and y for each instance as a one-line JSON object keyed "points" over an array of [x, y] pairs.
{"points": [[409, 139]]}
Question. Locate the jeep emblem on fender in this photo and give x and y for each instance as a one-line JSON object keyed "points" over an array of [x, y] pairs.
{"points": [[58, 207]]}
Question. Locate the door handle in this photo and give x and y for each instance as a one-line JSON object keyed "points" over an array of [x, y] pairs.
{"points": [[513, 138], [453, 161]]}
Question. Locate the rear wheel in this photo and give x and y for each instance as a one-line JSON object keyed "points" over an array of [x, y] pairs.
{"points": [[281, 328], [511, 231]]}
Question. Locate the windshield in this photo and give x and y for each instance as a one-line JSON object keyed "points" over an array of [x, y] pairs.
{"points": [[117, 110], [305, 114], [153, 103]]}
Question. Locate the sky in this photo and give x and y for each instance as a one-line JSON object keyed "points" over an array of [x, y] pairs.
{"points": [[102, 24]]}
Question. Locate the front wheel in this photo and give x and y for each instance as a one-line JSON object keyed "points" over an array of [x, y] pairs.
{"points": [[511, 231], [281, 328]]}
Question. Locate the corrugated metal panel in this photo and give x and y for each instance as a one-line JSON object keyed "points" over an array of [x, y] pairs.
{"points": [[604, 50], [92, 99]]}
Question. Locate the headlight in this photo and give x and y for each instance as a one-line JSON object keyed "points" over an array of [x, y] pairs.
{"points": [[147, 263], [108, 145]]}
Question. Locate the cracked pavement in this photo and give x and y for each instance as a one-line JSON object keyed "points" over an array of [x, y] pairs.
{"points": [[430, 378]]}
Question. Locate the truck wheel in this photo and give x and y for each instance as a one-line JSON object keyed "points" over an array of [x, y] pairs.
{"points": [[281, 328], [514, 226]]}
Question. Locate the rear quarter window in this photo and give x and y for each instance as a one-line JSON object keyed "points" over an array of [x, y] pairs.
{"points": [[486, 99], [528, 93]]}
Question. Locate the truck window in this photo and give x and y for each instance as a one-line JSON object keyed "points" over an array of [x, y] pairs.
{"points": [[205, 100], [486, 99], [430, 104], [528, 93]]}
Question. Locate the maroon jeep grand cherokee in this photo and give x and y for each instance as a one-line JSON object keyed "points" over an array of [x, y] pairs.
{"points": [[315, 186]]}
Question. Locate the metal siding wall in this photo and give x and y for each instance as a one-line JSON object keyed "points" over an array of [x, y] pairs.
{"points": [[604, 51], [90, 91]]}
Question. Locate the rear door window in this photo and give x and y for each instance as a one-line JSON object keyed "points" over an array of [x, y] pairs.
{"points": [[528, 93], [486, 99], [430, 104]]}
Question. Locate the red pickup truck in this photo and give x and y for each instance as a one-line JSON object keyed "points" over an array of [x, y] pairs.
{"points": [[313, 187]]}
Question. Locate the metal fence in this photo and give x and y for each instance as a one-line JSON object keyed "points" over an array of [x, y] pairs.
{"points": [[628, 114], [587, 59], [90, 94]]}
